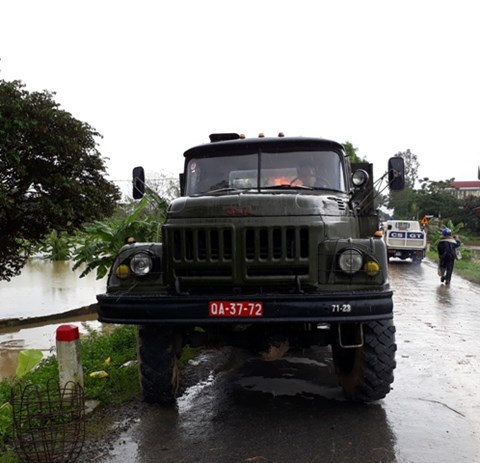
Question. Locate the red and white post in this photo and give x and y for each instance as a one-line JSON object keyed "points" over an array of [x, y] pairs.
{"points": [[68, 355]]}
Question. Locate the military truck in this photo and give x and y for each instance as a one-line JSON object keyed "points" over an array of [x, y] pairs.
{"points": [[252, 257]]}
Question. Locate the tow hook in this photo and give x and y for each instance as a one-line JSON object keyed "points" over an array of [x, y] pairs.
{"points": [[350, 335]]}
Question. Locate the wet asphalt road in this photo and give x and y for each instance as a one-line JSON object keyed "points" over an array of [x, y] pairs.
{"points": [[245, 410]]}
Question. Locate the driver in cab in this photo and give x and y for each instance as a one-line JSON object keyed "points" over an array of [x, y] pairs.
{"points": [[306, 176]]}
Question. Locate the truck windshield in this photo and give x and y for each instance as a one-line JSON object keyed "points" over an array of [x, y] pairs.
{"points": [[299, 169]]}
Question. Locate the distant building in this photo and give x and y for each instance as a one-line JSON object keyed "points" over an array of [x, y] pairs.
{"points": [[463, 190]]}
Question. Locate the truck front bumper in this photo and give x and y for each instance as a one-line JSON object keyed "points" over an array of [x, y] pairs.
{"points": [[359, 306]]}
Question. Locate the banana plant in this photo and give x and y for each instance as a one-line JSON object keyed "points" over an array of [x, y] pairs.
{"points": [[100, 242], [436, 233]]}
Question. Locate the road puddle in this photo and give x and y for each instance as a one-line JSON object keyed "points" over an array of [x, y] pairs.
{"points": [[187, 399]]}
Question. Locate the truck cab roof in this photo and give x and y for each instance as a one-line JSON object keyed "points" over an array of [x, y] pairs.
{"points": [[230, 143]]}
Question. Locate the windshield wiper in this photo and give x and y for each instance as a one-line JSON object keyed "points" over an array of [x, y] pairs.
{"points": [[287, 186], [221, 190]]}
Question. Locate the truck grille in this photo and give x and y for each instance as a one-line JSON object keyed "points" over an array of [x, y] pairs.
{"points": [[276, 243], [202, 245], [262, 252]]}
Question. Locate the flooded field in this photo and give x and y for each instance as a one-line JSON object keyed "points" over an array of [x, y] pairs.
{"points": [[44, 288]]}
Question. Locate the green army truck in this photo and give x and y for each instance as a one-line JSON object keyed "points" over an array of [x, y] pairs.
{"points": [[252, 256]]}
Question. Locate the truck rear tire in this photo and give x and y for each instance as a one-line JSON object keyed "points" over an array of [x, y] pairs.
{"points": [[158, 369], [366, 373]]}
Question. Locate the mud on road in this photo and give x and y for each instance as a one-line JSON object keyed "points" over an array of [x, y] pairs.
{"points": [[235, 409]]}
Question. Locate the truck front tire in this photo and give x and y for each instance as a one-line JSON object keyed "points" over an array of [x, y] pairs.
{"points": [[366, 373], [158, 369]]}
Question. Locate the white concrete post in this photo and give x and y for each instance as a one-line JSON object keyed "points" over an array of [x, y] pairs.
{"points": [[68, 355]]}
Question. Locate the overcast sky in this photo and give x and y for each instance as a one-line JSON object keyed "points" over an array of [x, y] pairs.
{"points": [[155, 78]]}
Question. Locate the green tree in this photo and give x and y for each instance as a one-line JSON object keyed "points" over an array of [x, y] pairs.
{"points": [[433, 199], [411, 168], [352, 153], [470, 211], [404, 202], [436, 198], [51, 173]]}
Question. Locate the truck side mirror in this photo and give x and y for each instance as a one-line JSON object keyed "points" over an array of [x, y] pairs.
{"points": [[138, 182], [396, 173]]}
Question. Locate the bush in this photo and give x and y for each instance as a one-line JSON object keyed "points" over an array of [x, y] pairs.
{"points": [[107, 351]]}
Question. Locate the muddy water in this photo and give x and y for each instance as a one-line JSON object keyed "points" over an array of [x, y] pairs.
{"points": [[46, 287], [43, 288]]}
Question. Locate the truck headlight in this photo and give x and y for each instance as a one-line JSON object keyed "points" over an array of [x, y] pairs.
{"points": [[350, 261], [141, 264], [360, 177]]}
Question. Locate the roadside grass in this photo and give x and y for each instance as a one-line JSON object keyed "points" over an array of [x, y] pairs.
{"points": [[110, 376]]}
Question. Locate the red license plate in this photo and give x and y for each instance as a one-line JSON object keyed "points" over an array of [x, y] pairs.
{"points": [[235, 309]]}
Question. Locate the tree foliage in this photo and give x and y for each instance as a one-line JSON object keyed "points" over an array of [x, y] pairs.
{"points": [[51, 173], [404, 202], [96, 247], [352, 152], [435, 198], [411, 168]]}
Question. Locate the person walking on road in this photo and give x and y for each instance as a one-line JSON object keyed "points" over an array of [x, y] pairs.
{"points": [[447, 253]]}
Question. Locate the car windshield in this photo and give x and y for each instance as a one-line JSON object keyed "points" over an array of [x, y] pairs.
{"points": [[299, 169]]}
